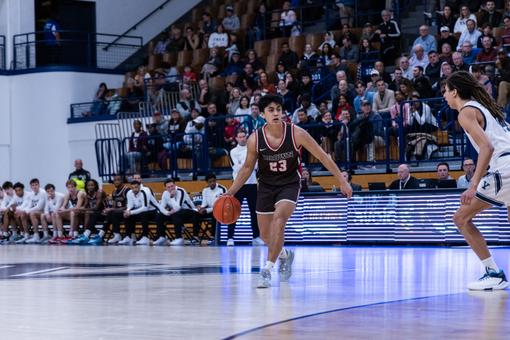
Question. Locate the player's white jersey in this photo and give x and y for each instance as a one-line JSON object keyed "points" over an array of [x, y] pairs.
{"points": [[497, 133], [52, 204]]}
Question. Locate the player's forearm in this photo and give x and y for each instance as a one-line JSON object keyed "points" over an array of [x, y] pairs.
{"points": [[484, 158]]}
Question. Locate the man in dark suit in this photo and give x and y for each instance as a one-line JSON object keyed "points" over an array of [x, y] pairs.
{"points": [[348, 176], [405, 180]]}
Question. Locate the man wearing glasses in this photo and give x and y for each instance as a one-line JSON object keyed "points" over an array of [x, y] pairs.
{"points": [[469, 169]]}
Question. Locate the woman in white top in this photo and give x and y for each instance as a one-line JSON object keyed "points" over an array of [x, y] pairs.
{"points": [[460, 24], [218, 38], [328, 39], [485, 126], [244, 106]]}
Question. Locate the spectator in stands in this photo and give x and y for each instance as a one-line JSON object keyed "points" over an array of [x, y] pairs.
{"points": [[488, 53], [159, 122], [362, 95], [377, 123], [209, 195], [287, 19], [464, 16], [468, 54], [405, 180], [288, 57], [256, 120], [231, 127], [421, 83], [349, 33], [303, 121], [489, 15], [234, 67], [503, 66], [397, 79], [470, 34], [486, 32], [213, 65], [421, 118], [133, 96], [505, 34], [308, 106], [192, 39], [443, 171], [231, 21], [342, 105], [234, 100], [368, 32], [281, 71], [446, 70], [446, 37], [506, 10], [79, 173], [308, 60], [99, 104], [477, 72], [433, 69], [177, 42], [329, 38], [384, 99], [258, 26], [247, 79], [446, 19], [389, 34], [399, 113], [195, 126], [307, 180], [219, 38], [361, 129], [254, 61], [305, 86], [348, 176], [265, 85], [232, 46], [328, 132], [446, 54], [208, 24], [403, 64], [161, 45], [348, 51], [215, 132], [425, 40], [379, 67], [155, 151], [419, 58], [137, 147], [458, 62], [244, 107], [186, 103], [289, 100], [367, 51], [292, 84], [469, 169]]}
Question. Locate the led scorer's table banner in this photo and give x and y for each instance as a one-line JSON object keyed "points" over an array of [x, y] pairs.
{"points": [[417, 216]]}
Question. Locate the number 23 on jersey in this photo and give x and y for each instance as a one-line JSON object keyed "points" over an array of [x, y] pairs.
{"points": [[279, 166]]}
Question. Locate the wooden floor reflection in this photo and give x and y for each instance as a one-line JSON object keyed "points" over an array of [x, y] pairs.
{"points": [[208, 293]]}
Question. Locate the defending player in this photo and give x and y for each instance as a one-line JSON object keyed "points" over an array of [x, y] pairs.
{"points": [[277, 147], [484, 124]]}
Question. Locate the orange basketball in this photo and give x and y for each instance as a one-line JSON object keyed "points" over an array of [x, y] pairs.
{"points": [[227, 209]]}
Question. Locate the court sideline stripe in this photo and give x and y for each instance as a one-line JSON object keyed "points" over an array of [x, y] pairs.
{"points": [[328, 312]]}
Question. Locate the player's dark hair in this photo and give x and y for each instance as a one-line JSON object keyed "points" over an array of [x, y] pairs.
{"points": [[71, 182], [135, 183], [469, 88], [18, 185], [96, 185], [266, 100], [7, 185], [34, 180], [49, 186], [210, 176], [443, 163], [169, 180]]}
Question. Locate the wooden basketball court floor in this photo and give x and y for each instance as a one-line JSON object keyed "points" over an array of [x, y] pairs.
{"points": [[73, 292]]}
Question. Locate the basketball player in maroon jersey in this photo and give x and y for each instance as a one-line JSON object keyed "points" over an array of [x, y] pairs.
{"points": [[277, 147]]}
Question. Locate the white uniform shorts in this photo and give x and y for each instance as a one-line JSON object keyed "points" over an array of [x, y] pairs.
{"points": [[494, 188]]}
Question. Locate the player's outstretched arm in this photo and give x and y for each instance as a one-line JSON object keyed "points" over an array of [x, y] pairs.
{"points": [[303, 138], [247, 167]]}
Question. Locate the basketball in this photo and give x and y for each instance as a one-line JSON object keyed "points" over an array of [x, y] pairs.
{"points": [[227, 209]]}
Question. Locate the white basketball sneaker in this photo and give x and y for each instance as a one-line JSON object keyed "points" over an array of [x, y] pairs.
{"points": [[257, 242], [491, 280], [115, 239], [127, 241], [264, 280], [144, 241], [177, 242], [230, 242], [161, 242], [286, 266]]}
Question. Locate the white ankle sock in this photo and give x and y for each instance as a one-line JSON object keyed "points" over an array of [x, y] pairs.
{"points": [[101, 233], [269, 265], [283, 254], [491, 264], [86, 233], [45, 233], [75, 234], [60, 233]]}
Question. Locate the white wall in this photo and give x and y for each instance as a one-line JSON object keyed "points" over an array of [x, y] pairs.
{"points": [[16, 17], [116, 16], [37, 141]]}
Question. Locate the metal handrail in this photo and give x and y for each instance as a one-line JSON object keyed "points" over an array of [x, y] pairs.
{"points": [[160, 7]]}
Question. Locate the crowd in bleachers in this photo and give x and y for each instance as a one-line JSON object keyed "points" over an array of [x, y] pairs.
{"points": [[349, 87]]}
